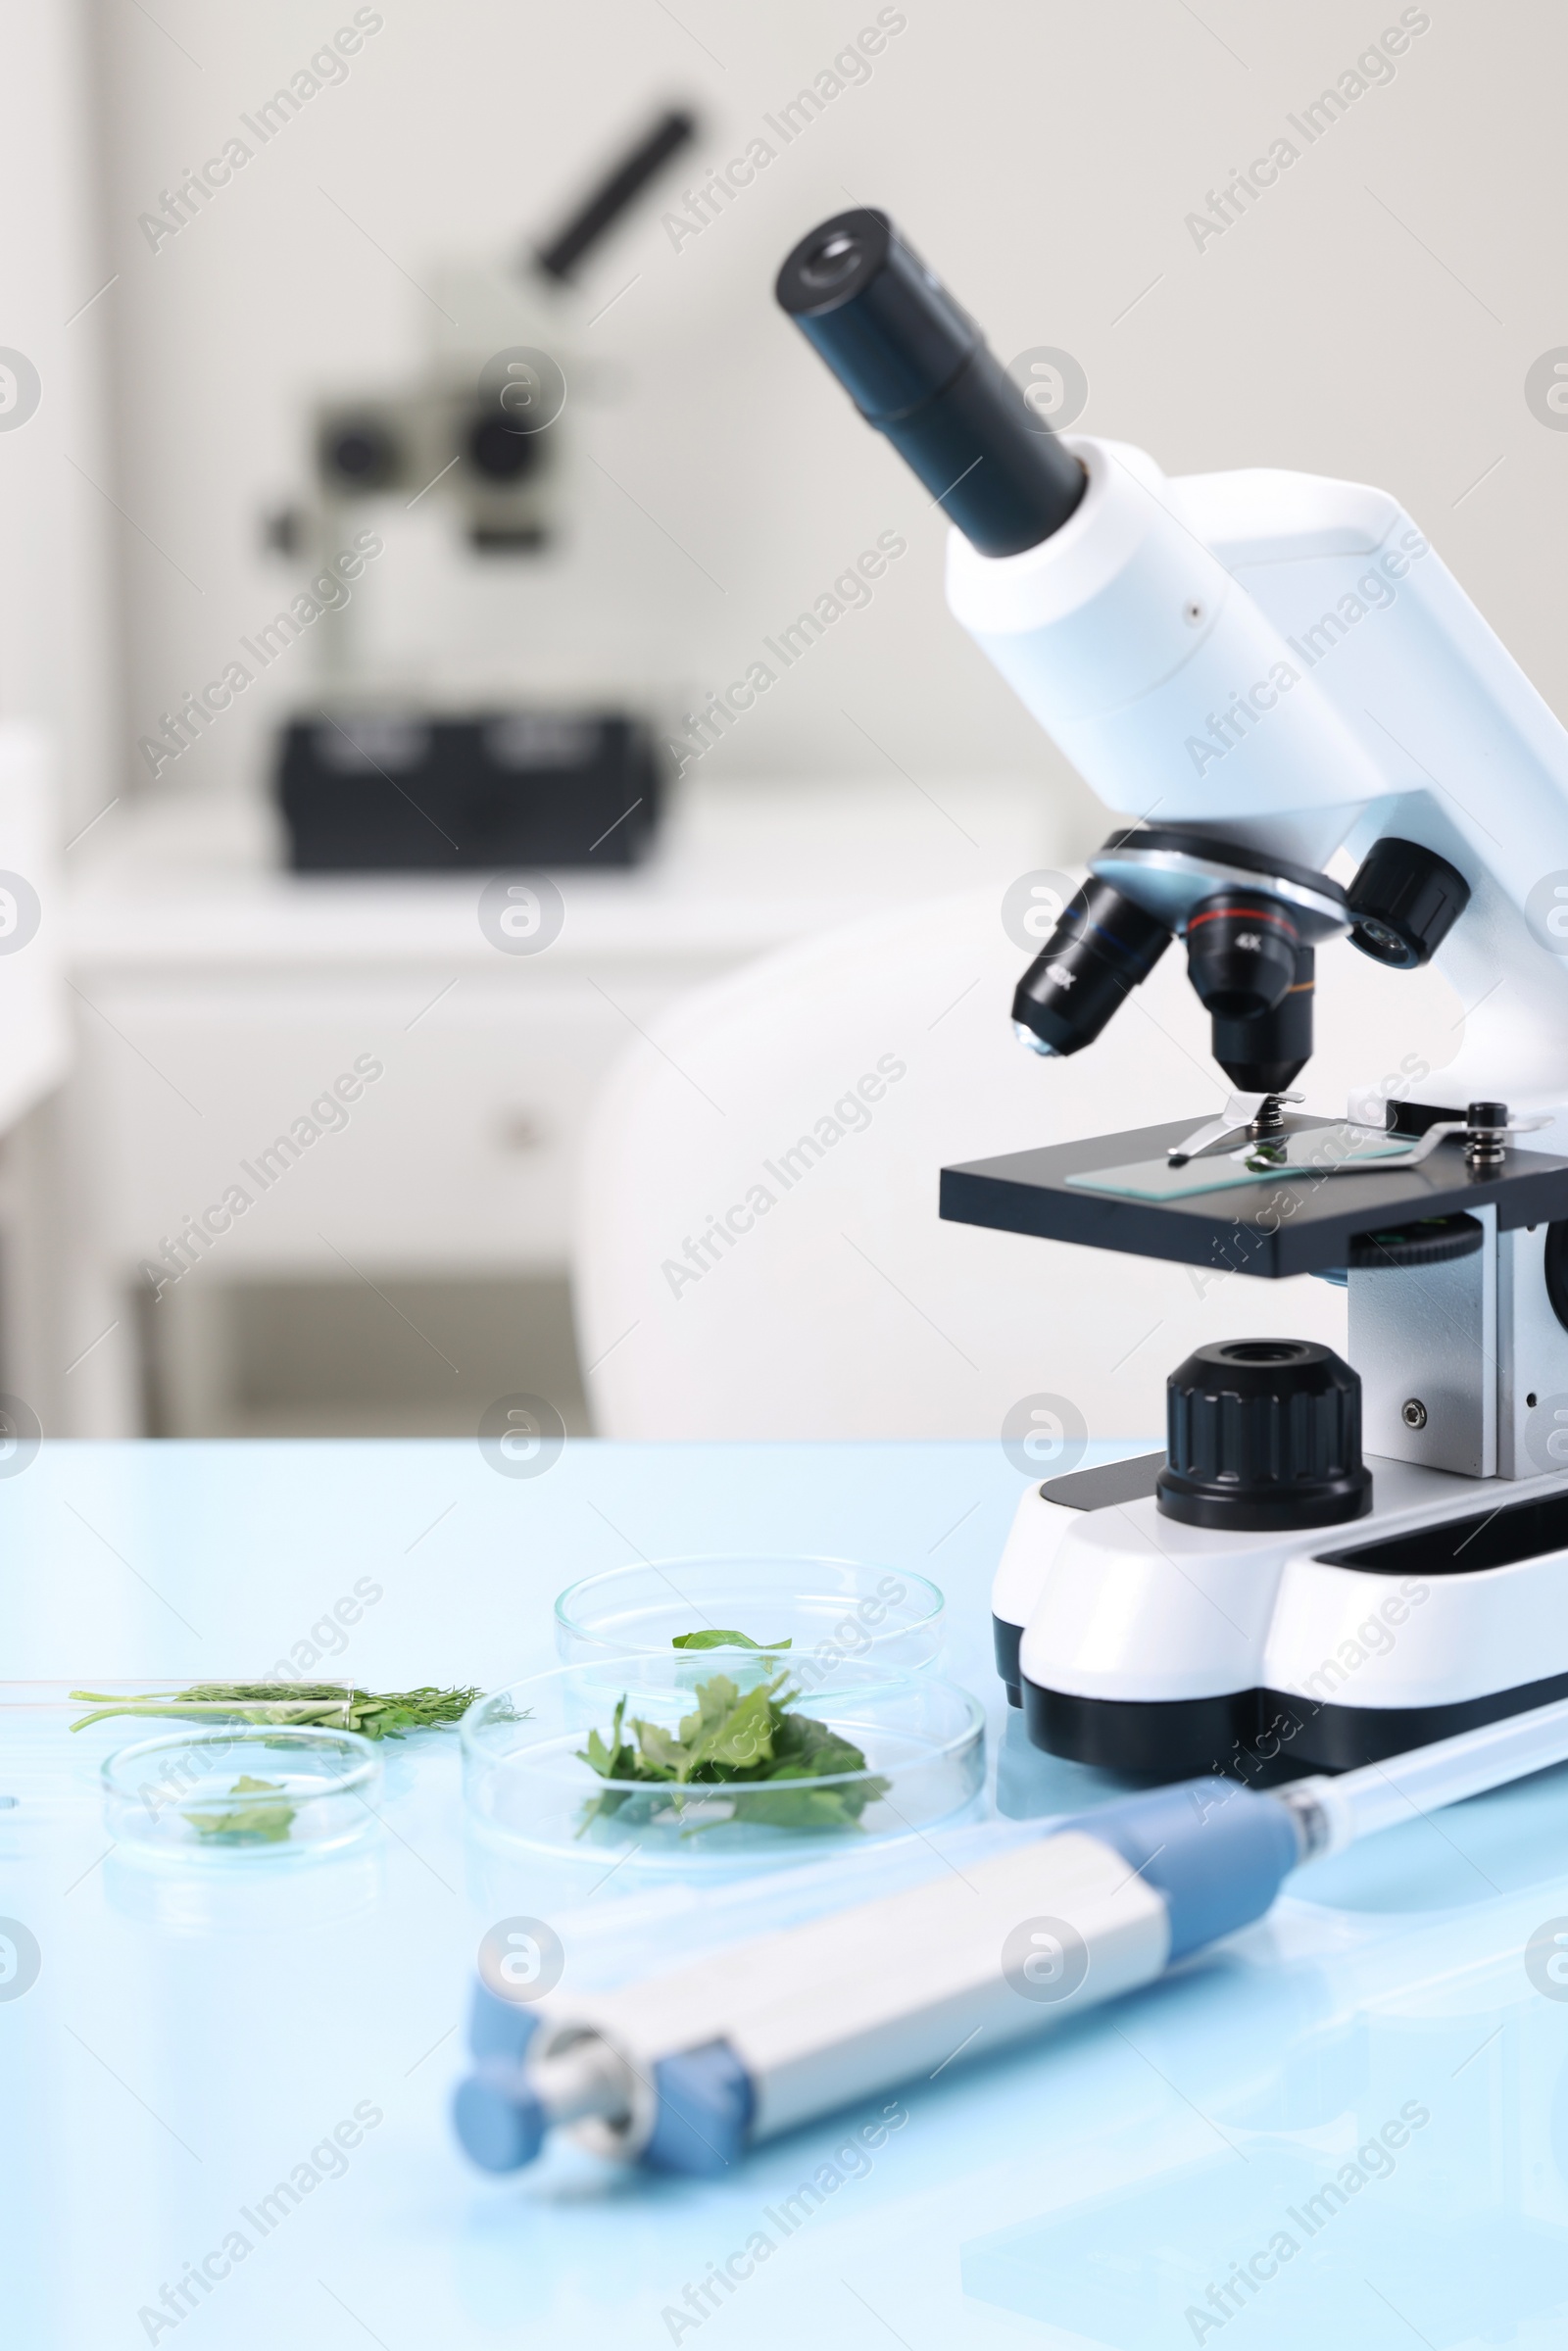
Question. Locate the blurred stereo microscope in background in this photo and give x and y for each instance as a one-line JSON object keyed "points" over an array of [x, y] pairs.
{"points": [[396, 767]]}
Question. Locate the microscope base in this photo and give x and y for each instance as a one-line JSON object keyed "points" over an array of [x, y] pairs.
{"points": [[1142, 1645], [1260, 1736]]}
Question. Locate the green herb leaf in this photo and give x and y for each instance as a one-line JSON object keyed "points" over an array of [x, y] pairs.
{"points": [[797, 1807], [266, 1823], [659, 1756], [731, 1739], [734, 1734], [711, 1639], [804, 1745]]}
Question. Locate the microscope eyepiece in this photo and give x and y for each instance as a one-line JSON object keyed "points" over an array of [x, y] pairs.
{"points": [[832, 262], [918, 368], [1100, 951], [890, 331]]}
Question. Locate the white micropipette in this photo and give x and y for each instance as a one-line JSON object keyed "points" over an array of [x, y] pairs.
{"points": [[684, 2070]]}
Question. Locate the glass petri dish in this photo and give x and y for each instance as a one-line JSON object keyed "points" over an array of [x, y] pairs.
{"points": [[838, 1606], [245, 1794], [525, 1781]]}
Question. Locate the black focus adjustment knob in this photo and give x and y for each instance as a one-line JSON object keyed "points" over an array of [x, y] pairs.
{"points": [[500, 451], [1428, 1241], [1403, 902], [1263, 1434], [359, 452]]}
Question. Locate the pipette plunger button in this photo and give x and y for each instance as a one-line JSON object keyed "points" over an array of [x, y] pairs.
{"points": [[500, 2124]]}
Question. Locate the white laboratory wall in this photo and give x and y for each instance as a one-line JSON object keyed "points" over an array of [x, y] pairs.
{"points": [[61, 738], [34, 1027], [58, 493], [1376, 314], [1373, 315]]}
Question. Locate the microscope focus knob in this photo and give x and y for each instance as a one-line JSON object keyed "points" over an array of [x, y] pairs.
{"points": [[1263, 1434], [1403, 902]]}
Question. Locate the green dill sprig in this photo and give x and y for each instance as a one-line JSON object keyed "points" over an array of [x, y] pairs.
{"points": [[309, 1705]]}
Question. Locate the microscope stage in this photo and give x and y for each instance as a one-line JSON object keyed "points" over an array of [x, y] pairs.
{"points": [[1272, 1226]]}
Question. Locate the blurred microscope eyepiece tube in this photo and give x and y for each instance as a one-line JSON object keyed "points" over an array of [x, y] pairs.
{"points": [[1100, 951], [918, 368]]}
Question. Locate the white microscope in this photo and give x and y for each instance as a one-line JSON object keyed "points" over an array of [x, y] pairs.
{"points": [[1278, 683]]}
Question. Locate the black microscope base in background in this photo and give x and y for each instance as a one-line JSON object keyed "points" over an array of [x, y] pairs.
{"points": [[363, 792]]}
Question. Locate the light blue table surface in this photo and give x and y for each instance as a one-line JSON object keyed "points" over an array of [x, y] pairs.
{"points": [[193, 2036]]}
